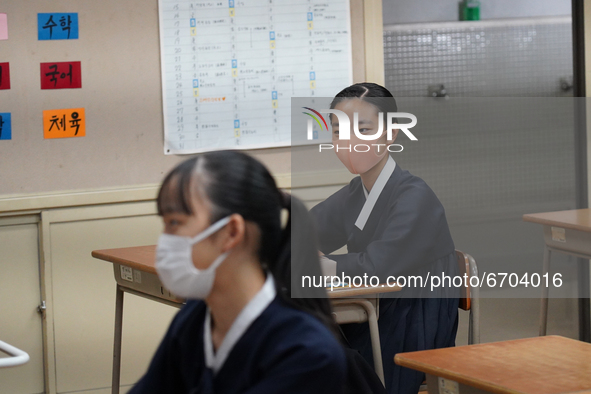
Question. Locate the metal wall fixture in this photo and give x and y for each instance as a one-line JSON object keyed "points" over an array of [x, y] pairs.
{"points": [[438, 90], [566, 83]]}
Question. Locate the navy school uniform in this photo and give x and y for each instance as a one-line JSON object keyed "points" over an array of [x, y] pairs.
{"points": [[406, 233], [283, 350]]}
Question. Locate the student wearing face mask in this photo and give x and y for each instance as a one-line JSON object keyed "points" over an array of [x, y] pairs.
{"points": [[392, 224], [227, 249]]}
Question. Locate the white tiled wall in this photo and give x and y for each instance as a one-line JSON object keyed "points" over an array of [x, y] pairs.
{"points": [[523, 57], [502, 145]]}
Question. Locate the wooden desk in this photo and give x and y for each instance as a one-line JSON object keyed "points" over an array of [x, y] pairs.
{"points": [[135, 273], [540, 365], [566, 232]]}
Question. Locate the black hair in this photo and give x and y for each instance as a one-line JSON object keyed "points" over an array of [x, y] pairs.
{"points": [[234, 182], [372, 93]]}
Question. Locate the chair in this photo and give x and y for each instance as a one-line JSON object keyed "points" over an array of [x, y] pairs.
{"points": [[469, 299], [470, 296]]}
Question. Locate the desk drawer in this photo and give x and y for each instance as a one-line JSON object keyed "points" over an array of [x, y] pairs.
{"points": [[144, 282], [346, 311], [567, 239]]}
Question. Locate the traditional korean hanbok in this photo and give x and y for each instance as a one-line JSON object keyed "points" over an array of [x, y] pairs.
{"points": [[398, 228]]}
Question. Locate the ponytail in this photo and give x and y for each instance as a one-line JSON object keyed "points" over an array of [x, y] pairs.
{"points": [[298, 257]]}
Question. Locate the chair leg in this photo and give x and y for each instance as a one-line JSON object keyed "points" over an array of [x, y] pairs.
{"points": [[475, 320], [474, 336]]}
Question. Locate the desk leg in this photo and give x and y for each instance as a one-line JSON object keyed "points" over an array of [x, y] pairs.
{"points": [[584, 304], [374, 334], [545, 292], [117, 342]]}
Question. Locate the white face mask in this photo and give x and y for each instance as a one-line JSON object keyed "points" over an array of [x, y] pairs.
{"points": [[174, 264]]}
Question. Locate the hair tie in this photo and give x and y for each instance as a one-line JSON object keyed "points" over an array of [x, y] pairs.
{"points": [[284, 215]]}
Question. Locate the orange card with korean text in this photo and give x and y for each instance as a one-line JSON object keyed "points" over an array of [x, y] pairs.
{"points": [[64, 123]]}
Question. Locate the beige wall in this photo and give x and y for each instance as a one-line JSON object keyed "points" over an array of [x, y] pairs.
{"points": [[81, 297], [121, 93], [20, 294]]}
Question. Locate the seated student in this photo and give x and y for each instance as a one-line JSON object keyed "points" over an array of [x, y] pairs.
{"points": [[405, 232], [226, 248]]}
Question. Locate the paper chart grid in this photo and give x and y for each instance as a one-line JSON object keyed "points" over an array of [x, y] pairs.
{"points": [[230, 69]]}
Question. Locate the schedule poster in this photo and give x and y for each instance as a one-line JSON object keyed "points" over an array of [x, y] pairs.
{"points": [[230, 68]]}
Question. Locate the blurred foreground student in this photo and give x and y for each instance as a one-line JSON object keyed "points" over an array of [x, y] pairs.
{"points": [[226, 248], [392, 224]]}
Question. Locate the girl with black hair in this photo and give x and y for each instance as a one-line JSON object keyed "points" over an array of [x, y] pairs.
{"points": [[392, 224], [226, 248]]}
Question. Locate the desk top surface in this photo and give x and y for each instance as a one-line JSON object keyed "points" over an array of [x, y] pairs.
{"points": [[143, 258], [578, 219], [540, 365]]}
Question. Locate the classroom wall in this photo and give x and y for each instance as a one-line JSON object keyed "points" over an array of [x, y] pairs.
{"points": [[411, 11], [121, 92]]}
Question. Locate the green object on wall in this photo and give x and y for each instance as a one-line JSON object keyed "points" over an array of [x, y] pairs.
{"points": [[469, 10]]}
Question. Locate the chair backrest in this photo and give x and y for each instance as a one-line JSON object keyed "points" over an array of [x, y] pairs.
{"points": [[464, 268]]}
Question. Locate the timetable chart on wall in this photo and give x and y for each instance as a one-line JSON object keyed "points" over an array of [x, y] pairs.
{"points": [[230, 68]]}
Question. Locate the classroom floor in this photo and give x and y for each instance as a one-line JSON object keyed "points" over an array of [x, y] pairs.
{"points": [[503, 319]]}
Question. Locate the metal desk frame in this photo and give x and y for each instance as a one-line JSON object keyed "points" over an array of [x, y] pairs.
{"points": [[567, 232]]}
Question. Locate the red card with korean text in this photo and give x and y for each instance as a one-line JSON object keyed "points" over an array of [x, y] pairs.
{"points": [[4, 76], [63, 75]]}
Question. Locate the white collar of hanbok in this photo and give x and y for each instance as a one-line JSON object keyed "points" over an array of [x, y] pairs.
{"points": [[249, 314], [376, 190]]}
